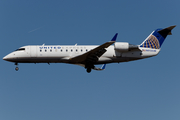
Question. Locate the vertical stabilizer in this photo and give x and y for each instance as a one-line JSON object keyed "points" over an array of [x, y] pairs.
{"points": [[156, 38]]}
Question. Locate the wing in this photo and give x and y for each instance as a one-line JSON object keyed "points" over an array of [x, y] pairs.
{"points": [[93, 55]]}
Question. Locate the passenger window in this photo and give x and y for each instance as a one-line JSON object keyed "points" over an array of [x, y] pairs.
{"points": [[50, 50], [45, 50], [40, 50]]}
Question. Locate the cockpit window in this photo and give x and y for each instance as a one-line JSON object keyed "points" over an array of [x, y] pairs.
{"points": [[20, 49]]}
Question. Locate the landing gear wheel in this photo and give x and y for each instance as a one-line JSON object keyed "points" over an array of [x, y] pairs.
{"points": [[16, 68], [88, 70]]}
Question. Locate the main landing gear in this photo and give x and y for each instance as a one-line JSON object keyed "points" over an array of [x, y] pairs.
{"points": [[17, 68], [89, 67], [88, 70]]}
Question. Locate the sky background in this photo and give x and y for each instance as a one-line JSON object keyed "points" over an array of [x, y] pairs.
{"points": [[146, 89]]}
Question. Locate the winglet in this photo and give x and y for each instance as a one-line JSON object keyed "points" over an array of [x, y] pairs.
{"points": [[114, 38], [103, 66]]}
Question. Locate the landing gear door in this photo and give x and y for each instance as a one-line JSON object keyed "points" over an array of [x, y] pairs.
{"points": [[33, 51]]}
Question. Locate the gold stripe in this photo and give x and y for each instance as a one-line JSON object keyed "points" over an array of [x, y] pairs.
{"points": [[146, 44], [157, 44], [154, 43], [151, 41]]}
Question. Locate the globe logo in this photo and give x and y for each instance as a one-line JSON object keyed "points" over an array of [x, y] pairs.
{"points": [[151, 42]]}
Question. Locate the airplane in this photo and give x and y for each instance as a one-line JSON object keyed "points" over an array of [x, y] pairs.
{"points": [[88, 56]]}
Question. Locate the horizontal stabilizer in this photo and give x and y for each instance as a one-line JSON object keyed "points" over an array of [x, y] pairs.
{"points": [[166, 31]]}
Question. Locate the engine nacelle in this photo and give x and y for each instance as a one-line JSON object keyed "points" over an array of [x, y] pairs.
{"points": [[121, 46], [124, 46]]}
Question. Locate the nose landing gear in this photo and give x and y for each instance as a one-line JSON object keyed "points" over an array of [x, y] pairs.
{"points": [[17, 68]]}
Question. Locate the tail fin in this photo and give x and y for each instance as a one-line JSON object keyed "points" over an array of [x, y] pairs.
{"points": [[156, 38]]}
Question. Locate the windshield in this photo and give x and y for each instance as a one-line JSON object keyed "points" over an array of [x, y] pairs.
{"points": [[20, 49]]}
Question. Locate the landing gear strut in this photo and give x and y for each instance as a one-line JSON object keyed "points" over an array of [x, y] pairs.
{"points": [[17, 68]]}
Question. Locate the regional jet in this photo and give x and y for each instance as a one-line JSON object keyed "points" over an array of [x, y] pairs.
{"points": [[88, 56]]}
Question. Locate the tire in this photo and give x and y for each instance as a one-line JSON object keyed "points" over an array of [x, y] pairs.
{"points": [[16, 68], [88, 70]]}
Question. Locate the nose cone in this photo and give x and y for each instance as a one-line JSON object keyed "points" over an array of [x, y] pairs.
{"points": [[6, 58]]}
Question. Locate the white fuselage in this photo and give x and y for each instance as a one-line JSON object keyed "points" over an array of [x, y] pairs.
{"points": [[63, 53], [88, 56]]}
